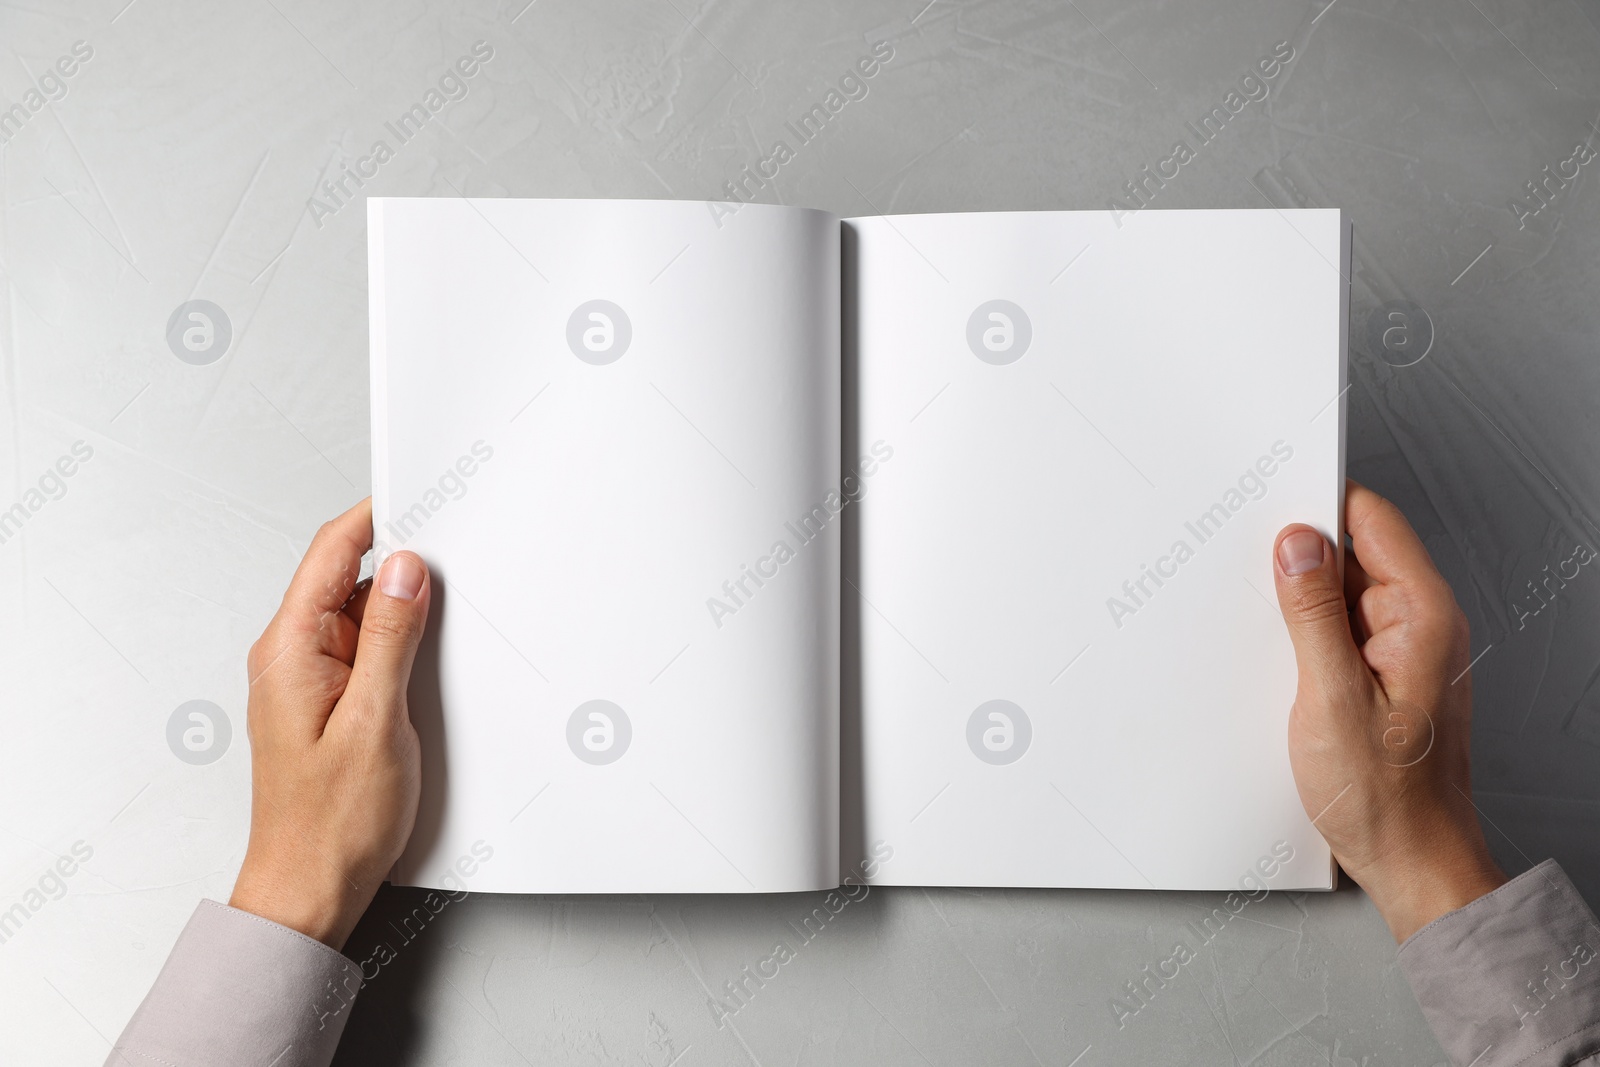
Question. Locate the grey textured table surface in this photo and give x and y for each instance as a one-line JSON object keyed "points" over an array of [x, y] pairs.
{"points": [[184, 158]]}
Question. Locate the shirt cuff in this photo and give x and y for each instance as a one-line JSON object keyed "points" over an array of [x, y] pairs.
{"points": [[1513, 978], [240, 989]]}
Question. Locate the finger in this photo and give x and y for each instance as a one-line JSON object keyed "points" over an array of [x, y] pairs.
{"points": [[1384, 542], [1357, 585], [327, 575], [1311, 597], [395, 613], [1417, 662], [1381, 608], [358, 601], [1391, 654], [308, 618], [1356, 578]]}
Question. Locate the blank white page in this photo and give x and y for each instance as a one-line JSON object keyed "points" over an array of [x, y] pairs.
{"points": [[588, 416], [1069, 400]]}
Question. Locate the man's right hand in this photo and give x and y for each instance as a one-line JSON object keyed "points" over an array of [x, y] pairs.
{"points": [[1380, 731]]}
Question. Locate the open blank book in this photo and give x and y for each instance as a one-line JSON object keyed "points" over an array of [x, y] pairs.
{"points": [[772, 549]]}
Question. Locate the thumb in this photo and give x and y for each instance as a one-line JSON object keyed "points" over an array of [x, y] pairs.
{"points": [[1311, 597], [391, 628]]}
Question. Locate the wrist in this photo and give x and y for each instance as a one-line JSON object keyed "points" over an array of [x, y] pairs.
{"points": [[1416, 892], [325, 909]]}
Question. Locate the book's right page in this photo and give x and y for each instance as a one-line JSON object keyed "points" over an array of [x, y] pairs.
{"points": [[1069, 666]]}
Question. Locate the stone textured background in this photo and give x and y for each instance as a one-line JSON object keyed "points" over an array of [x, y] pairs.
{"points": [[179, 164]]}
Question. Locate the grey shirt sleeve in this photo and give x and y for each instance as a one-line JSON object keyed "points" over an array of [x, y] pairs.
{"points": [[1514, 977], [240, 990]]}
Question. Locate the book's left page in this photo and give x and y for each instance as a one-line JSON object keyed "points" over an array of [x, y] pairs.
{"points": [[597, 422]]}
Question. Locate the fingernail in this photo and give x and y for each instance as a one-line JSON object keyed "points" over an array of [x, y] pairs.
{"points": [[401, 577], [1301, 551]]}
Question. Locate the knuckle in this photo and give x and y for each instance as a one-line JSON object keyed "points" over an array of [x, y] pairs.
{"points": [[1460, 628], [391, 627], [1317, 602], [1435, 605], [345, 584], [261, 653]]}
